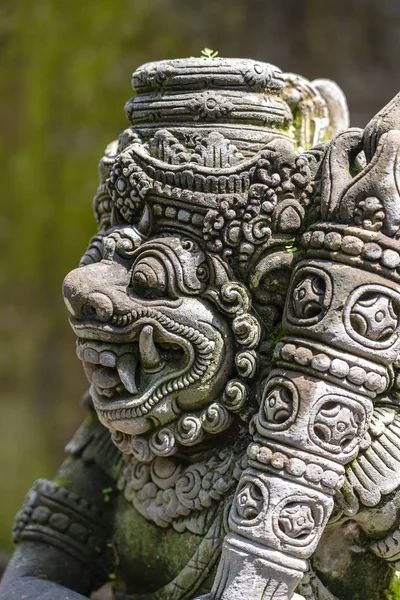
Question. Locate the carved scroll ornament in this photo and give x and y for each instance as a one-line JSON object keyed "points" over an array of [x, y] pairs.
{"points": [[238, 319]]}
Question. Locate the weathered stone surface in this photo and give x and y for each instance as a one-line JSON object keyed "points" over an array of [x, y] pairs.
{"points": [[237, 316]]}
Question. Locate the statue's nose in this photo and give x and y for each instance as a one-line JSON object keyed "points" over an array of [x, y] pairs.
{"points": [[83, 297]]}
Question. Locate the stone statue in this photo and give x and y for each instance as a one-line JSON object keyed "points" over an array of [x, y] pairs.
{"points": [[238, 318]]}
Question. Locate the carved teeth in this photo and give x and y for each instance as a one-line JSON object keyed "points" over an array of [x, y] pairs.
{"points": [[108, 359], [108, 393], [91, 355], [126, 367], [149, 356]]}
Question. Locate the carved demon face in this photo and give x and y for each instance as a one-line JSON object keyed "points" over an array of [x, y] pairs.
{"points": [[150, 344], [163, 317]]}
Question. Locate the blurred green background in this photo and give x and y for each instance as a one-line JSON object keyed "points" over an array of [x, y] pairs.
{"points": [[65, 70]]}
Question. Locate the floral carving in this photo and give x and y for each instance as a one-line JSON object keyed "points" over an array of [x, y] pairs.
{"points": [[154, 75], [370, 214], [223, 227], [128, 186], [281, 187], [210, 105], [261, 77]]}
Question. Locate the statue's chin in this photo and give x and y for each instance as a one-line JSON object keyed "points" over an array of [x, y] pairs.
{"points": [[127, 421]]}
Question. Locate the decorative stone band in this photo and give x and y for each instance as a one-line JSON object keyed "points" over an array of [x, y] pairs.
{"points": [[53, 515], [312, 415], [199, 73], [370, 250], [334, 304], [297, 466], [149, 113], [338, 367]]}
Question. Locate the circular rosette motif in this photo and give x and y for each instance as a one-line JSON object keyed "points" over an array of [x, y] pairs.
{"points": [[372, 316], [209, 105], [310, 296], [338, 423], [263, 77], [251, 501], [297, 520], [279, 405]]}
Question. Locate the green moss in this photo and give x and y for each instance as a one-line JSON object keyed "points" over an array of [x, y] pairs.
{"points": [[146, 553], [63, 481], [393, 593], [277, 335], [107, 493]]}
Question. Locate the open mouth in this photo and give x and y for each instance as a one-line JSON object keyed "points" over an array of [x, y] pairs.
{"points": [[128, 379]]}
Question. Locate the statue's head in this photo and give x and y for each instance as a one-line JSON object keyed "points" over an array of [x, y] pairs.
{"points": [[199, 205]]}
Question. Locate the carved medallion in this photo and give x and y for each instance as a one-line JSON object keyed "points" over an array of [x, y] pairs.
{"points": [[372, 316], [310, 297], [337, 423]]}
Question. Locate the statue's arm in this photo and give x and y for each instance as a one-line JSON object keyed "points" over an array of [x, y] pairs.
{"points": [[40, 571], [61, 532]]}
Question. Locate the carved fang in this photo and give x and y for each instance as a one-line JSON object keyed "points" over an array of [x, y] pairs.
{"points": [[126, 367], [149, 356]]}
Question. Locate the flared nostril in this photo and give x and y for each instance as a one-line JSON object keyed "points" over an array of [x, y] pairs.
{"points": [[71, 295], [98, 306], [84, 303]]}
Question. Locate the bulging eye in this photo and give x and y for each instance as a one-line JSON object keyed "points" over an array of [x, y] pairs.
{"points": [[149, 278]]}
